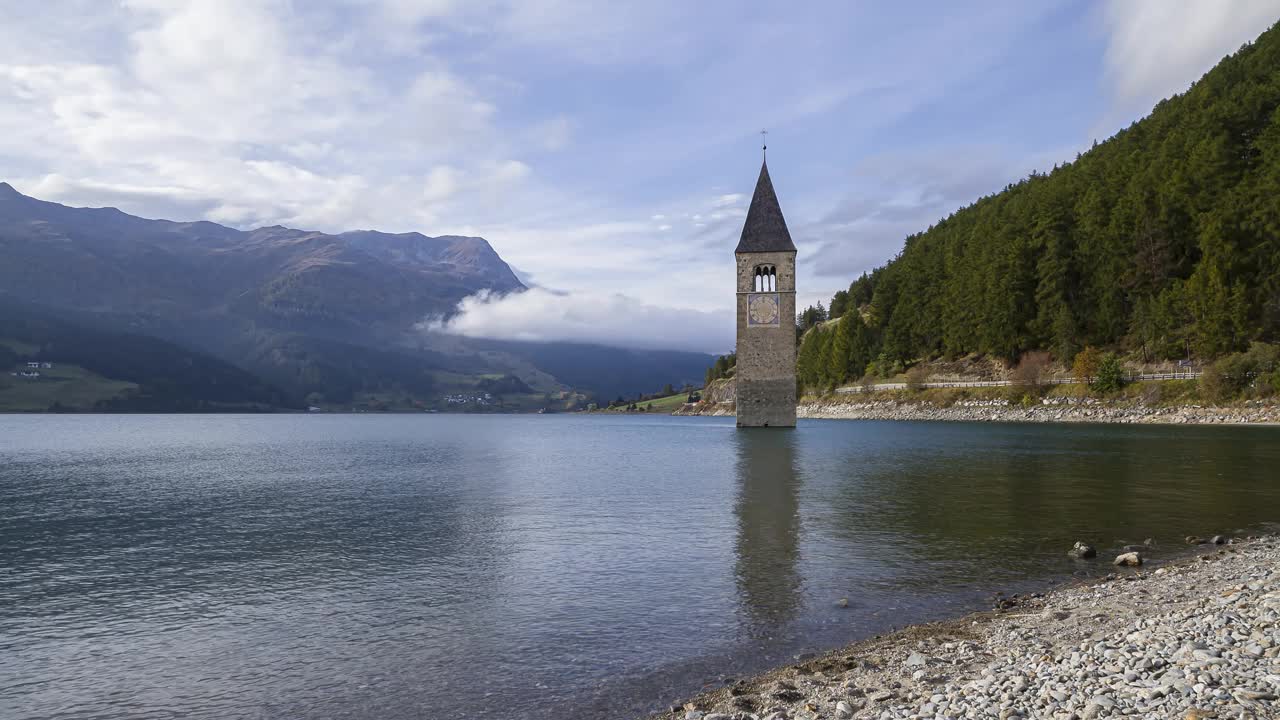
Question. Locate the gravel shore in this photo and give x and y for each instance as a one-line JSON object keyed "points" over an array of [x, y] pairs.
{"points": [[1199, 638], [1059, 410]]}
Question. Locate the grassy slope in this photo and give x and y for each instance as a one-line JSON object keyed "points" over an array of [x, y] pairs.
{"points": [[70, 386], [666, 404], [658, 405]]}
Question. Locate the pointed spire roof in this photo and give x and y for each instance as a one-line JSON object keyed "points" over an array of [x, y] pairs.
{"points": [[765, 230]]}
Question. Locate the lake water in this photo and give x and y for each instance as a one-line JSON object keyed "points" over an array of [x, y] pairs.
{"points": [[361, 566]]}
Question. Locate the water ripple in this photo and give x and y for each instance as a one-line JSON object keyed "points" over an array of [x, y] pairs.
{"points": [[534, 567]]}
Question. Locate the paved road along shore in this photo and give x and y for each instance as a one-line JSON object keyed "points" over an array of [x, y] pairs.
{"points": [[1195, 639]]}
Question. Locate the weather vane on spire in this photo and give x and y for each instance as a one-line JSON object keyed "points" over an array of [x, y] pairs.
{"points": [[764, 144]]}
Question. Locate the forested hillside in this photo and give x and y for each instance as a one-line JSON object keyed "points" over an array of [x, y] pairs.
{"points": [[166, 377], [1162, 242]]}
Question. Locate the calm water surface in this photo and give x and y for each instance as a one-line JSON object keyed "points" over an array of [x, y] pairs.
{"points": [[537, 566]]}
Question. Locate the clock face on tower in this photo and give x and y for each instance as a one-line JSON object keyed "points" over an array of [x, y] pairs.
{"points": [[762, 309]]}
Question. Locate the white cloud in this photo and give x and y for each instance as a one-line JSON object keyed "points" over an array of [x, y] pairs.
{"points": [[594, 32], [442, 183], [601, 318], [1157, 48], [249, 112], [512, 171], [728, 212], [410, 13], [441, 108]]}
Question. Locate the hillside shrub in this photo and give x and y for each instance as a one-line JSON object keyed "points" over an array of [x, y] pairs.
{"points": [[1151, 393], [1110, 375], [884, 366], [1223, 380], [946, 397], [1031, 371], [1269, 384], [1257, 370], [1265, 357], [916, 377], [1085, 367]]}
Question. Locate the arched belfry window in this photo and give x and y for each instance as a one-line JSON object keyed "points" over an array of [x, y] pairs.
{"points": [[765, 279]]}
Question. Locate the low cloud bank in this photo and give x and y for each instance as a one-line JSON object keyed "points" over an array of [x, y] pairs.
{"points": [[617, 320]]}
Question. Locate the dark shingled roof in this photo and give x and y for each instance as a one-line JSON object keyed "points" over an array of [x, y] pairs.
{"points": [[765, 230]]}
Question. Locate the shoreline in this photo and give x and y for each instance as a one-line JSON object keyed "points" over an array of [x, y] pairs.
{"points": [[1195, 637], [1156, 403], [1059, 410], [1046, 411]]}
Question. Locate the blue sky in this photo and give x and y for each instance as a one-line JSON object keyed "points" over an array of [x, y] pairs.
{"points": [[606, 150]]}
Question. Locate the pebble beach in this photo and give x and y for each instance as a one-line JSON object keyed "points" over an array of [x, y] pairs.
{"points": [[1046, 411], [1195, 638]]}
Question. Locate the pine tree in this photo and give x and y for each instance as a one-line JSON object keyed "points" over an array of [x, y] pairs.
{"points": [[861, 343], [807, 359], [840, 352], [825, 380]]}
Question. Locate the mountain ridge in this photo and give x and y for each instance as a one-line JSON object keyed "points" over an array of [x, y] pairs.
{"points": [[112, 261], [333, 314]]}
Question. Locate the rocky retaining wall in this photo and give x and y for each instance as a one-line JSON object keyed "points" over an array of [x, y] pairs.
{"points": [[718, 398]]}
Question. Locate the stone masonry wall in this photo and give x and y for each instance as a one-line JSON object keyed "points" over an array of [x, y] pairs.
{"points": [[766, 369]]}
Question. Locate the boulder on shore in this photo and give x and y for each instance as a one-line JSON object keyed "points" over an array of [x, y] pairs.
{"points": [[1130, 559], [1081, 551]]}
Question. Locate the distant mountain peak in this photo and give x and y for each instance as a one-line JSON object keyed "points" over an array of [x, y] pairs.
{"points": [[349, 285]]}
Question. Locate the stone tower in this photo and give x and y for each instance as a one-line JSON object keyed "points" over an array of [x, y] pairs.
{"points": [[766, 259]]}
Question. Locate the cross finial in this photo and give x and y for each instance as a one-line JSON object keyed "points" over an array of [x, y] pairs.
{"points": [[764, 145]]}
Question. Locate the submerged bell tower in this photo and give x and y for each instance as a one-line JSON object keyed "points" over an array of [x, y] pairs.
{"points": [[766, 263]]}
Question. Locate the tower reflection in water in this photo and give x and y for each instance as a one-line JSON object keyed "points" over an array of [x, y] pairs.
{"points": [[768, 543]]}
